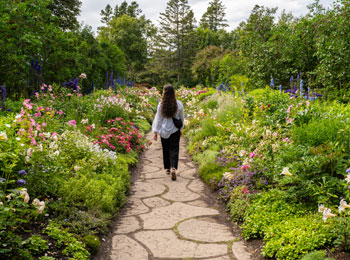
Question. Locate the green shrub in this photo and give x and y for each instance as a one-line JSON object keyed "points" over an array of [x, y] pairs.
{"points": [[36, 244], [238, 205], [92, 242], [316, 255], [65, 240], [295, 236], [267, 209]]}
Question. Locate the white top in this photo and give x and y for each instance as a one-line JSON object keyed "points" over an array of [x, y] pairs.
{"points": [[165, 126]]}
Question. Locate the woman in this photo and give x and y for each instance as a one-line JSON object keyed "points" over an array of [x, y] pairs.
{"points": [[164, 126]]}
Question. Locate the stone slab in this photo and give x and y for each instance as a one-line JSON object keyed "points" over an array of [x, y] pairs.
{"points": [[125, 248], [240, 251], [165, 244], [127, 225], [156, 202], [135, 207], [205, 230], [167, 217]]}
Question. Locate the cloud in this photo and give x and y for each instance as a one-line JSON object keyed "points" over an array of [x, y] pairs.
{"points": [[236, 10]]}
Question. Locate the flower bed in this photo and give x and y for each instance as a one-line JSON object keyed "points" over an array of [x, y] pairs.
{"points": [[280, 163], [64, 168]]}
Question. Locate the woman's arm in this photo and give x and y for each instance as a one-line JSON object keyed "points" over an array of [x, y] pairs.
{"points": [[157, 123]]}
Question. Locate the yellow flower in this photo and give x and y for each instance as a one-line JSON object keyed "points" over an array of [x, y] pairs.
{"points": [[286, 172]]}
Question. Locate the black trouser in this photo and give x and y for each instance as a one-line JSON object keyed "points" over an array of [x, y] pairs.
{"points": [[171, 148]]}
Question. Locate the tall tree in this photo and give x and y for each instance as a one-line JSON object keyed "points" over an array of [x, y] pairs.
{"points": [[176, 26], [130, 35], [106, 14], [67, 12], [214, 17], [131, 10]]}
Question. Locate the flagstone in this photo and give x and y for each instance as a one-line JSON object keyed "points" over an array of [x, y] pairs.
{"points": [[205, 230], [165, 244], [125, 248], [167, 217]]}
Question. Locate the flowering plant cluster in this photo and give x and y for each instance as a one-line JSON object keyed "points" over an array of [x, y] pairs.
{"points": [[119, 136], [63, 161], [267, 140]]}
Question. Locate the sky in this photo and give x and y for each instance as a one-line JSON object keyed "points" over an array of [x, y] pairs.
{"points": [[236, 10]]}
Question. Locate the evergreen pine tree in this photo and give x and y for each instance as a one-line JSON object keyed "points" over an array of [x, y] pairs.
{"points": [[214, 17], [176, 26], [106, 14]]}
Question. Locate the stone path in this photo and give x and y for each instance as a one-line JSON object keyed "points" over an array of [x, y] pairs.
{"points": [[166, 219]]}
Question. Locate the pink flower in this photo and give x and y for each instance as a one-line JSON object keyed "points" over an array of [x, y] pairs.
{"points": [[252, 155], [44, 124], [60, 112], [82, 76], [34, 142], [37, 95], [38, 127], [37, 114], [307, 103], [72, 123], [245, 168]]}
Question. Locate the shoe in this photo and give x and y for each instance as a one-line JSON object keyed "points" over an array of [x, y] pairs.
{"points": [[173, 174], [167, 171]]}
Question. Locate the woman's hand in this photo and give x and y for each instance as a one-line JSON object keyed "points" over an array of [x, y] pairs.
{"points": [[155, 137]]}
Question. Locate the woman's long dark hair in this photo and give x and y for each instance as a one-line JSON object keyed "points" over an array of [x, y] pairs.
{"points": [[169, 104]]}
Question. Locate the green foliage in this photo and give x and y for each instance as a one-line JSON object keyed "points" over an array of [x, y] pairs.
{"points": [[214, 17], [316, 255], [238, 205], [92, 242], [36, 244], [70, 245], [294, 237]]}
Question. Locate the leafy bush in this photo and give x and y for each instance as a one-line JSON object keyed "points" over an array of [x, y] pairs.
{"points": [[92, 242], [296, 236], [238, 204], [316, 255]]}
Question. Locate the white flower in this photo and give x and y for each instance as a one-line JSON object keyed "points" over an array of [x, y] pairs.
{"points": [[8, 197], [286, 172], [1, 203], [21, 145], [25, 195], [76, 168], [347, 179], [40, 205], [18, 139], [321, 208], [93, 126], [57, 153], [30, 152], [3, 136], [327, 214], [26, 159], [7, 125], [343, 205], [228, 175], [36, 202], [85, 121]]}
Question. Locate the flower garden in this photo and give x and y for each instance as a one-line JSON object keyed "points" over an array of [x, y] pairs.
{"points": [[281, 164], [65, 160]]}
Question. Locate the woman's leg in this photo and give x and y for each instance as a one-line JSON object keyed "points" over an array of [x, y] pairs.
{"points": [[166, 153], [174, 147]]}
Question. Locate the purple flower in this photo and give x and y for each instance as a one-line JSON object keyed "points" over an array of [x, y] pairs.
{"points": [[22, 172], [2, 179], [348, 170], [21, 182]]}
